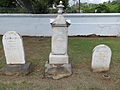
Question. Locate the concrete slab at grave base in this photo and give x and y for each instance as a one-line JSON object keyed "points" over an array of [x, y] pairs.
{"points": [[20, 69], [100, 69], [57, 71]]}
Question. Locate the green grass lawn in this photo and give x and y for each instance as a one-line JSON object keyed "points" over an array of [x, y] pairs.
{"points": [[37, 50]]}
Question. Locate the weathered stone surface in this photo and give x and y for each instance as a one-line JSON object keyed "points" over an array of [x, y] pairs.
{"points": [[57, 71], [58, 66], [58, 59], [101, 58], [13, 48], [59, 40], [19, 69], [59, 21]]}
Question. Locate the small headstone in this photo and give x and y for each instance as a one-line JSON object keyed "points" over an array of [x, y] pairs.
{"points": [[13, 48], [14, 53], [101, 58]]}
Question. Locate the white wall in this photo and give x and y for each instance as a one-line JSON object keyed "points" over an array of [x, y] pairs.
{"points": [[81, 24]]}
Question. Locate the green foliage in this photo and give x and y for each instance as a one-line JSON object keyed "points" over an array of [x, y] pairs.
{"points": [[41, 6], [7, 3], [31, 6], [45, 6], [88, 8], [10, 6], [107, 7], [71, 9], [102, 8], [114, 6]]}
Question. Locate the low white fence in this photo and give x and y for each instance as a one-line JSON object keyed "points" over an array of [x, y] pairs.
{"points": [[106, 24]]}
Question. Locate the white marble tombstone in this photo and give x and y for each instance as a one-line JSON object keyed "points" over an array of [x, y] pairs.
{"points": [[58, 65], [13, 48], [101, 58], [59, 40], [59, 43]]}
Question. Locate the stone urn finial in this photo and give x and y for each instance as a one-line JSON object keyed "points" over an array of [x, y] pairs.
{"points": [[60, 21], [60, 7]]}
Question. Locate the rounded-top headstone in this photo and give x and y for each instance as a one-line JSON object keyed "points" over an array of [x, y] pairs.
{"points": [[101, 58], [13, 48]]}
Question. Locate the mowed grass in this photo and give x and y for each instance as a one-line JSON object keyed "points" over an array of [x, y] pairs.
{"points": [[37, 51]]}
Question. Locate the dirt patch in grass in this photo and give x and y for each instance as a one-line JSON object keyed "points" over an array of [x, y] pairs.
{"points": [[37, 51]]}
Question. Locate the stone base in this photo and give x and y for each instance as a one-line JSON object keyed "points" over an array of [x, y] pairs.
{"points": [[57, 71], [21, 69], [100, 69], [58, 59]]}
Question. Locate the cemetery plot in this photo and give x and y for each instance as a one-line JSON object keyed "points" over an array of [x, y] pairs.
{"points": [[37, 50]]}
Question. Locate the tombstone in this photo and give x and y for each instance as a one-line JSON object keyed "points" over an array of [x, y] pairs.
{"points": [[13, 48], [14, 53], [58, 65], [101, 58]]}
